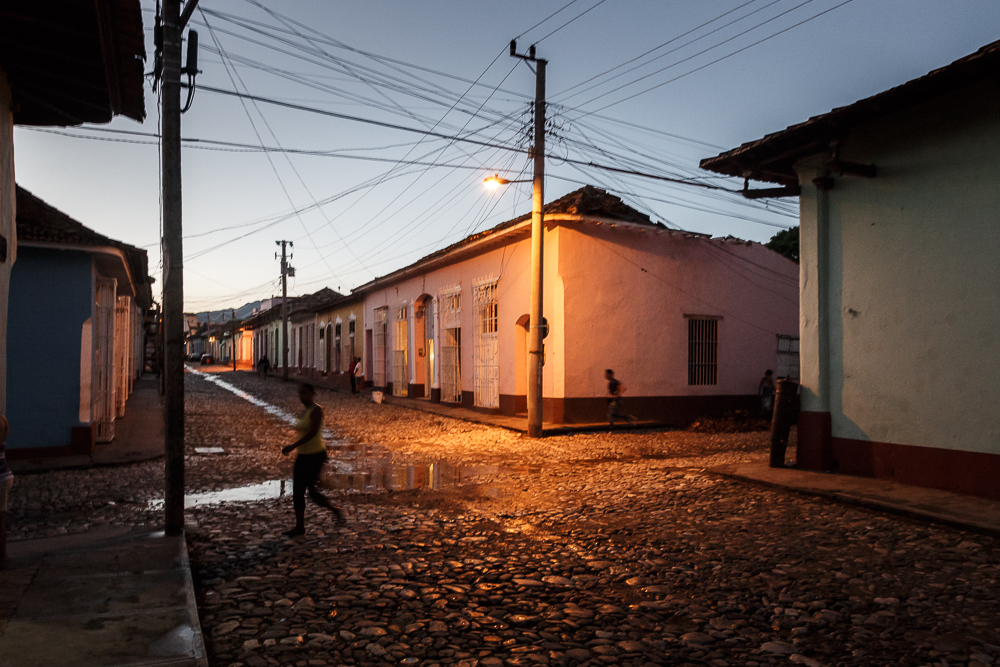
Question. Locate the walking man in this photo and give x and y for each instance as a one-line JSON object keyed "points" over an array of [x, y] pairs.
{"points": [[355, 366], [766, 390], [615, 391]]}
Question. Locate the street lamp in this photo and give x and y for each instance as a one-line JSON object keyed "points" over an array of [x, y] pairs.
{"points": [[493, 182]]}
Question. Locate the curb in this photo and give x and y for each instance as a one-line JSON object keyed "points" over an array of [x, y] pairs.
{"points": [[867, 503]]}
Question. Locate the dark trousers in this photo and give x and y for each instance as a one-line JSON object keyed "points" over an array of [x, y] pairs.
{"points": [[354, 383], [305, 474]]}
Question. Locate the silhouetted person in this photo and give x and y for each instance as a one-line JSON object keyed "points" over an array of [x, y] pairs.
{"points": [[766, 390], [355, 367], [263, 366], [615, 391], [309, 461]]}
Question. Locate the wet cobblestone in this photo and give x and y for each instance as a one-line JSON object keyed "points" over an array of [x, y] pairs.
{"points": [[614, 550]]}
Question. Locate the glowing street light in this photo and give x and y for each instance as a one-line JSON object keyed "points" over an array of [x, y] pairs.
{"points": [[493, 182]]}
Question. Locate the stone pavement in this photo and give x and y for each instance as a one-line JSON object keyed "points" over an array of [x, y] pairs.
{"points": [[951, 509], [138, 435], [105, 598], [517, 423]]}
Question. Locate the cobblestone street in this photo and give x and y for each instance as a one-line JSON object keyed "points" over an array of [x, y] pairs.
{"points": [[599, 549]]}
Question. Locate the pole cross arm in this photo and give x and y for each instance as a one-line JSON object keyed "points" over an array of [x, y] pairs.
{"points": [[188, 11]]}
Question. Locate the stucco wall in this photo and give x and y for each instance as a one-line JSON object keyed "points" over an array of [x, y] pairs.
{"points": [[510, 265], [44, 343], [330, 316], [7, 228], [627, 292], [899, 338]]}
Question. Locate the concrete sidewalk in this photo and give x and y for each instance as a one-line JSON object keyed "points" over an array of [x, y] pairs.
{"points": [[106, 598], [138, 435], [952, 509]]}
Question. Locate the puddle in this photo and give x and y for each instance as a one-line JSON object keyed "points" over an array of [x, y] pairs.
{"points": [[273, 488], [250, 398], [367, 476]]}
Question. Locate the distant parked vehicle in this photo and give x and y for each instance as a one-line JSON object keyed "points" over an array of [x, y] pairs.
{"points": [[194, 356], [206, 359]]}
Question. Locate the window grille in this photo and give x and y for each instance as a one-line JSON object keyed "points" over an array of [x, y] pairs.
{"points": [[788, 357], [351, 338], [451, 347], [122, 353], [400, 365], [349, 344], [337, 362], [104, 361], [703, 351], [486, 365], [379, 353]]}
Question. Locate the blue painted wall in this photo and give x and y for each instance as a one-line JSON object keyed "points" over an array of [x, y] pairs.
{"points": [[51, 296]]}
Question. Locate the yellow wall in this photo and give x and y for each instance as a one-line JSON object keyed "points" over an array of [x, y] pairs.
{"points": [[345, 311]]}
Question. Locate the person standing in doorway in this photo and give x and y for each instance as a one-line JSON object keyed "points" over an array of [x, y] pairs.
{"points": [[309, 460], [6, 482], [766, 390], [615, 391], [355, 367]]}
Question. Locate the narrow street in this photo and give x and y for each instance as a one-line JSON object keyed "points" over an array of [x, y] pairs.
{"points": [[599, 549]]}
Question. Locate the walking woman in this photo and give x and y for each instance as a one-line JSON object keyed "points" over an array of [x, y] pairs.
{"points": [[309, 461]]}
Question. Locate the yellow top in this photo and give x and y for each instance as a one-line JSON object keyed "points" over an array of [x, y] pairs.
{"points": [[315, 445]]}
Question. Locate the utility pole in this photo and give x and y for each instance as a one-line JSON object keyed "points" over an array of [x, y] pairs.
{"points": [[234, 339], [173, 270], [170, 28], [284, 308], [536, 353]]}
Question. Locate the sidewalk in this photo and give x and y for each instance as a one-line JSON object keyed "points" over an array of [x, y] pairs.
{"points": [[959, 511], [519, 424], [138, 435], [106, 598]]}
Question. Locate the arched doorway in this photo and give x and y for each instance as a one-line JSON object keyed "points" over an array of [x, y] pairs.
{"points": [[328, 356], [423, 338]]}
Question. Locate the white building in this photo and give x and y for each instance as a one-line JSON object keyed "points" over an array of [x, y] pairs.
{"points": [[900, 266]]}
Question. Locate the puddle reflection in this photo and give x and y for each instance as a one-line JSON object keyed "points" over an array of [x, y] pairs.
{"points": [[377, 475], [366, 475], [273, 488]]}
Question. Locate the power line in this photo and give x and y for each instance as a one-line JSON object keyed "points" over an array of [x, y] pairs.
{"points": [[558, 11], [709, 64], [581, 14], [667, 43]]}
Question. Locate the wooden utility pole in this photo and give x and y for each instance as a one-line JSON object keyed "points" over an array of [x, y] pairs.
{"points": [[234, 339], [536, 353], [173, 269], [172, 25], [284, 308]]}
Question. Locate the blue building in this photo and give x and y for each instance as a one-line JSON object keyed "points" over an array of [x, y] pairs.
{"points": [[75, 334]]}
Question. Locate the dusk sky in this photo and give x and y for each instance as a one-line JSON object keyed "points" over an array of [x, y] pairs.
{"points": [[715, 74]]}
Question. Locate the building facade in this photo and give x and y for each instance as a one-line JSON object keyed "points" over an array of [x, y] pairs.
{"points": [[74, 360], [898, 245], [687, 322]]}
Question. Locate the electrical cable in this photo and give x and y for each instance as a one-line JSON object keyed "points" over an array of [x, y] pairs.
{"points": [[709, 64]]}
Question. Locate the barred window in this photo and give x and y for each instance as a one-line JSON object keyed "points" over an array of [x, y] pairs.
{"points": [[703, 350]]}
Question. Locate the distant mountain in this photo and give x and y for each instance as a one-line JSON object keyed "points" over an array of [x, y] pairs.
{"points": [[217, 316]]}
